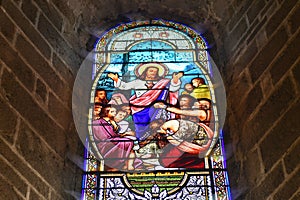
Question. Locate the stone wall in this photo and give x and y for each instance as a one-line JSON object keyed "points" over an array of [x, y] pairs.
{"points": [[43, 42], [39, 60], [262, 76]]}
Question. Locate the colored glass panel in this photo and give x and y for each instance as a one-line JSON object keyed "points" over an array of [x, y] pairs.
{"points": [[167, 161]]}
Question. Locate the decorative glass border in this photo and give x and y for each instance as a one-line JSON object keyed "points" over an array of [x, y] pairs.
{"points": [[214, 181]]}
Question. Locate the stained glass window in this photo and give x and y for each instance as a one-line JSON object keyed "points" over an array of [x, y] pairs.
{"points": [[156, 110]]}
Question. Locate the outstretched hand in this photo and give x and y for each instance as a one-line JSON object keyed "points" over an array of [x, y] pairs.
{"points": [[159, 105], [177, 76], [113, 76]]}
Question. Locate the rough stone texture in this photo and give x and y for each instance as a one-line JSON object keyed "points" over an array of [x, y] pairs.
{"points": [[253, 168], [286, 59], [8, 122], [292, 21], [42, 45], [281, 137], [41, 90], [280, 15], [268, 185], [30, 10], [7, 26], [292, 158], [8, 191], [267, 54], [289, 187], [27, 27], [273, 127], [14, 178], [12, 59]]}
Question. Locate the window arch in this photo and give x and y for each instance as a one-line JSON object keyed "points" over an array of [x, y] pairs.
{"points": [[172, 136]]}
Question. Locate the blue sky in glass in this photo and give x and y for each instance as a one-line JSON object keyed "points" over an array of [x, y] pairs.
{"points": [[144, 52]]}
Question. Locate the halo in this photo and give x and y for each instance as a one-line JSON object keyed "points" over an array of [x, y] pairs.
{"points": [[162, 69]]}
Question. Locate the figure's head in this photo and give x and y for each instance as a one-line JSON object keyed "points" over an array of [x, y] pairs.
{"points": [[121, 114], [198, 81], [126, 108], [186, 101], [188, 87], [97, 109], [155, 125], [108, 111], [100, 95], [118, 99], [203, 104], [150, 73]]}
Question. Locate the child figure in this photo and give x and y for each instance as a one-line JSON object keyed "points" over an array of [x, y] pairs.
{"points": [[200, 90], [124, 129]]}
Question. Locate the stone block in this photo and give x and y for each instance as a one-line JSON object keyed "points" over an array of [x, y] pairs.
{"points": [[270, 111], [7, 28], [286, 59], [65, 7], [296, 74], [12, 178], [266, 84], [13, 61], [234, 20], [58, 43], [42, 67], [267, 54], [41, 90], [296, 196], [281, 137], [23, 168], [292, 158], [234, 37], [249, 104], [62, 69], [254, 32], [293, 20], [289, 188], [239, 88], [59, 111], [54, 195], [238, 184], [269, 184], [8, 121], [27, 28], [30, 10], [269, 9], [240, 9], [8, 191], [34, 195], [279, 16], [253, 169], [31, 111], [51, 12], [254, 10], [245, 58], [38, 154]]}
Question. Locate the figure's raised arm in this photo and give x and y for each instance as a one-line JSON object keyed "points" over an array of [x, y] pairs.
{"points": [[194, 112], [193, 148], [160, 105], [176, 77], [113, 76]]}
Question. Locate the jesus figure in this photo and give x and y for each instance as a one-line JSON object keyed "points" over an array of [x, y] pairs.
{"points": [[150, 86]]}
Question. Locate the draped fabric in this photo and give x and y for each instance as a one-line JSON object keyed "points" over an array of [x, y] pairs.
{"points": [[189, 154], [114, 149], [142, 108]]}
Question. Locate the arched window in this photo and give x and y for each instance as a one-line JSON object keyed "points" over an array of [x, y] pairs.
{"points": [[156, 109]]}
